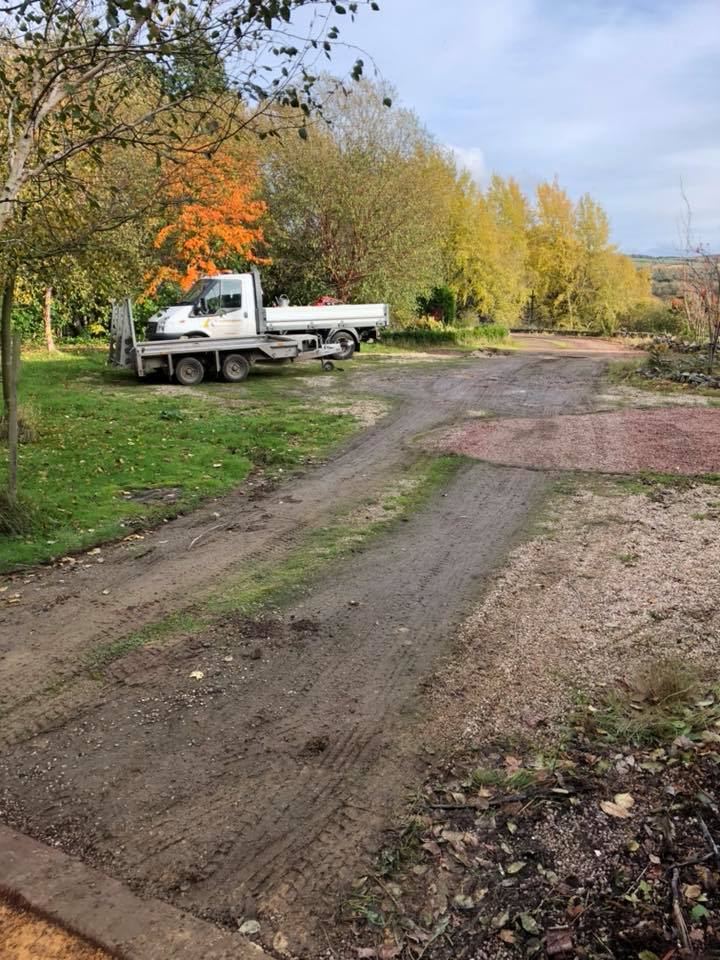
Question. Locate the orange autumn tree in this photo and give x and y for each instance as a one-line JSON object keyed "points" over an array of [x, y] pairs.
{"points": [[214, 220]]}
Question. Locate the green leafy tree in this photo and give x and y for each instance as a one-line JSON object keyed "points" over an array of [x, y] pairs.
{"points": [[355, 210]]}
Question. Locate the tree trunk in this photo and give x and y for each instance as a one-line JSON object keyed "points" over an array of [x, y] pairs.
{"points": [[47, 319], [10, 363], [6, 342]]}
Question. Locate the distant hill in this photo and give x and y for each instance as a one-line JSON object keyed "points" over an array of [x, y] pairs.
{"points": [[666, 274]]}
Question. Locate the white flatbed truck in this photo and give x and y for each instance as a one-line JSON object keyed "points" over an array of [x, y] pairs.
{"points": [[189, 359], [218, 306]]}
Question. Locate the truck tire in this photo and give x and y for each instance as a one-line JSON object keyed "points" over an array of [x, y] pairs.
{"points": [[346, 340], [235, 367], [189, 371]]}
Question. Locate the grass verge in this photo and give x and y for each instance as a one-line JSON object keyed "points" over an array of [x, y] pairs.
{"points": [[111, 454]]}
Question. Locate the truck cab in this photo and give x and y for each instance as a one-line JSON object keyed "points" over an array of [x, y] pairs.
{"points": [[220, 306]]}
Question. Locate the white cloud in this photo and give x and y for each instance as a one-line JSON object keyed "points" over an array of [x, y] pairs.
{"points": [[473, 160], [616, 97]]}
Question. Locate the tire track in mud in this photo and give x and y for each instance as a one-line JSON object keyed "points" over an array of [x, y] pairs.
{"points": [[65, 612], [262, 787]]}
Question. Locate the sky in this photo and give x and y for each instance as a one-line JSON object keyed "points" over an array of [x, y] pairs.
{"points": [[617, 98]]}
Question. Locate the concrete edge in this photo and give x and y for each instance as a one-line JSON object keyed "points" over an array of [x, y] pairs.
{"points": [[104, 911]]}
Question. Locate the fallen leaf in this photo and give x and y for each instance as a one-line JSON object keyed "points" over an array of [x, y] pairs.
{"points": [[692, 891], [500, 920], [463, 902], [197, 675], [614, 809], [507, 936], [515, 867], [389, 950], [699, 911], [624, 800], [529, 924], [280, 944], [366, 953], [558, 940], [249, 927]]}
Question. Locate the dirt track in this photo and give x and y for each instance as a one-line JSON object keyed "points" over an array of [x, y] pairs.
{"points": [[253, 790]]}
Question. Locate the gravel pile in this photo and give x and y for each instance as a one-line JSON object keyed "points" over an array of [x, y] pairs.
{"points": [[625, 441]]}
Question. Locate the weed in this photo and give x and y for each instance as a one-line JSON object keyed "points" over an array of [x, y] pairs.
{"points": [[660, 704], [404, 852], [17, 516], [28, 424], [486, 778], [628, 559]]}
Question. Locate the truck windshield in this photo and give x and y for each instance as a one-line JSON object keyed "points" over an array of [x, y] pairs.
{"points": [[195, 292]]}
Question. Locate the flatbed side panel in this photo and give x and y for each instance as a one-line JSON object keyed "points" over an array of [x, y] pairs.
{"points": [[318, 318], [161, 348]]}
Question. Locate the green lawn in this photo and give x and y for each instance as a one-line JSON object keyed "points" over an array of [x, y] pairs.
{"points": [[108, 447]]}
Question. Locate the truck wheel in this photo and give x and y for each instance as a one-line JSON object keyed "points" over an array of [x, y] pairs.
{"points": [[346, 341], [328, 365], [235, 367], [189, 371]]}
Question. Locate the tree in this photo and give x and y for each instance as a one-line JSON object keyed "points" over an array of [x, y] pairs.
{"points": [[70, 74], [357, 210], [554, 256], [213, 219], [75, 79], [700, 288]]}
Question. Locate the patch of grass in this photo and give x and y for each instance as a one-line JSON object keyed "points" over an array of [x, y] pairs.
{"points": [[404, 851], [172, 625], [275, 584], [18, 516], [658, 373], [424, 337], [102, 437], [628, 559], [28, 424], [661, 703]]}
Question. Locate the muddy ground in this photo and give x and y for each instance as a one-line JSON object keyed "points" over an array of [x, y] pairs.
{"points": [[251, 792]]}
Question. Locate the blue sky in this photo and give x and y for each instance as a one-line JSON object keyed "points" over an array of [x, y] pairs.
{"points": [[620, 98]]}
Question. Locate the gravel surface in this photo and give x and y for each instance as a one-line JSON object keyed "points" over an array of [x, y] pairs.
{"points": [[626, 441], [622, 580]]}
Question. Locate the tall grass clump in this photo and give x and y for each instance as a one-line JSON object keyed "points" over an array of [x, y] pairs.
{"points": [[431, 333]]}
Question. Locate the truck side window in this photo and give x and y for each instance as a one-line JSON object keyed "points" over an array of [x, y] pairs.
{"points": [[209, 303], [231, 294]]}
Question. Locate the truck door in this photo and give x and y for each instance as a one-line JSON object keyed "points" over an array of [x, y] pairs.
{"points": [[235, 317]]}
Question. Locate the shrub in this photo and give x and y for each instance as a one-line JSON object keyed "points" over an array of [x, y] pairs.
{"points": [[654, 316], [440, 305]]}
